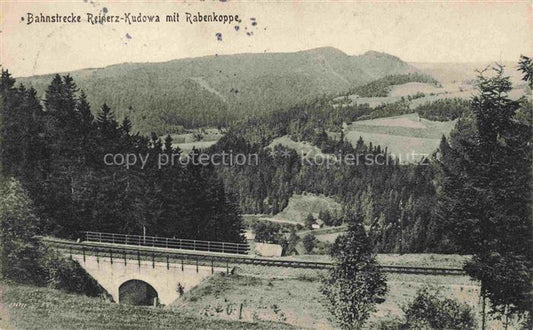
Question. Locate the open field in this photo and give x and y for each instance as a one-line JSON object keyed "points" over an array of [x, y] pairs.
{"points": [[25, 307], [464, 72], [328, 237], [208, 134], [411, 259], [293, 295], [431, 93], [402, 135], [186, 141], [297, 209], [304, 148], [301, 205], [412, 88], [462, 88], [187, 147], [325, 234], [251, 218], [296, 298]]}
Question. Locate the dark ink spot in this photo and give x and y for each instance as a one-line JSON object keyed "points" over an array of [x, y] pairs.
{"points": [[219, 36], [104, 10], [128, 36], [254, 23], [236, 28]]}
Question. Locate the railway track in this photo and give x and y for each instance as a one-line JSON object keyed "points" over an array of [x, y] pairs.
{"points": [[175, 256]]}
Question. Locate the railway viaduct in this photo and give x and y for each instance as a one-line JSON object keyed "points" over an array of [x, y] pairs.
{"points": [[151, 280], [150, 270]]}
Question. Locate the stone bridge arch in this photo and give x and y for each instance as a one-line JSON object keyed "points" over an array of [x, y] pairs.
{"points": [[162, 278], [137, 292]]}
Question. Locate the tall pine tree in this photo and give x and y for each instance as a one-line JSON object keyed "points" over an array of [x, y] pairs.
{"points": [[485, 194]]}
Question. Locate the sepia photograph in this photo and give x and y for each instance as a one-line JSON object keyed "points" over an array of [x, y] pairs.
{"points": [[270, 164]]}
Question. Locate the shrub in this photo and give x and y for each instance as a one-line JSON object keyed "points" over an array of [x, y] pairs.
{"points": [[309, 242], [267, 232], [309, 221], [429, 310], [67, 275]]}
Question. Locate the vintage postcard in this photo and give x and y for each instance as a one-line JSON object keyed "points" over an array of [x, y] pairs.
{"points": [[231, 164]]}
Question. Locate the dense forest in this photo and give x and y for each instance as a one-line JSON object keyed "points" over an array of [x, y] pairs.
{"points": [[443, 109], [57, 153]]}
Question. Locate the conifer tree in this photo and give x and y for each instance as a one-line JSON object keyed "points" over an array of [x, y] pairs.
{"points": [[484, 199], [10, 130]]}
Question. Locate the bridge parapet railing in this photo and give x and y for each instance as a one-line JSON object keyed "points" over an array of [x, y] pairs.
{"points": [[166, 242]]}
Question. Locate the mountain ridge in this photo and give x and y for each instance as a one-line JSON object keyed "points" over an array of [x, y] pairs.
{"points": [[216, 90]]}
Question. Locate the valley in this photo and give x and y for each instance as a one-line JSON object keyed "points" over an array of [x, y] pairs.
{"points": [[286, 109]]}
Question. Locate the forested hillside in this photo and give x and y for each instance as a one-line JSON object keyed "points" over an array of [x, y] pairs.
{"points": [[59, 152], [216, 90], [394, 201]]}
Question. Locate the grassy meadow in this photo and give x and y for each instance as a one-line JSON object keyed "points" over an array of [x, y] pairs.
{"points": [[402, 135], [298, 208], [303, 148], [187, 141], [26, 307], [300, 205], [293, 296]]}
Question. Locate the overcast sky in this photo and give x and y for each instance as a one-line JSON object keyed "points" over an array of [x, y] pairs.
{"points": [[416, 32]]}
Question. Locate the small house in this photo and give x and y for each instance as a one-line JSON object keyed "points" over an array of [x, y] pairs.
{"points": [[318, 224]]}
